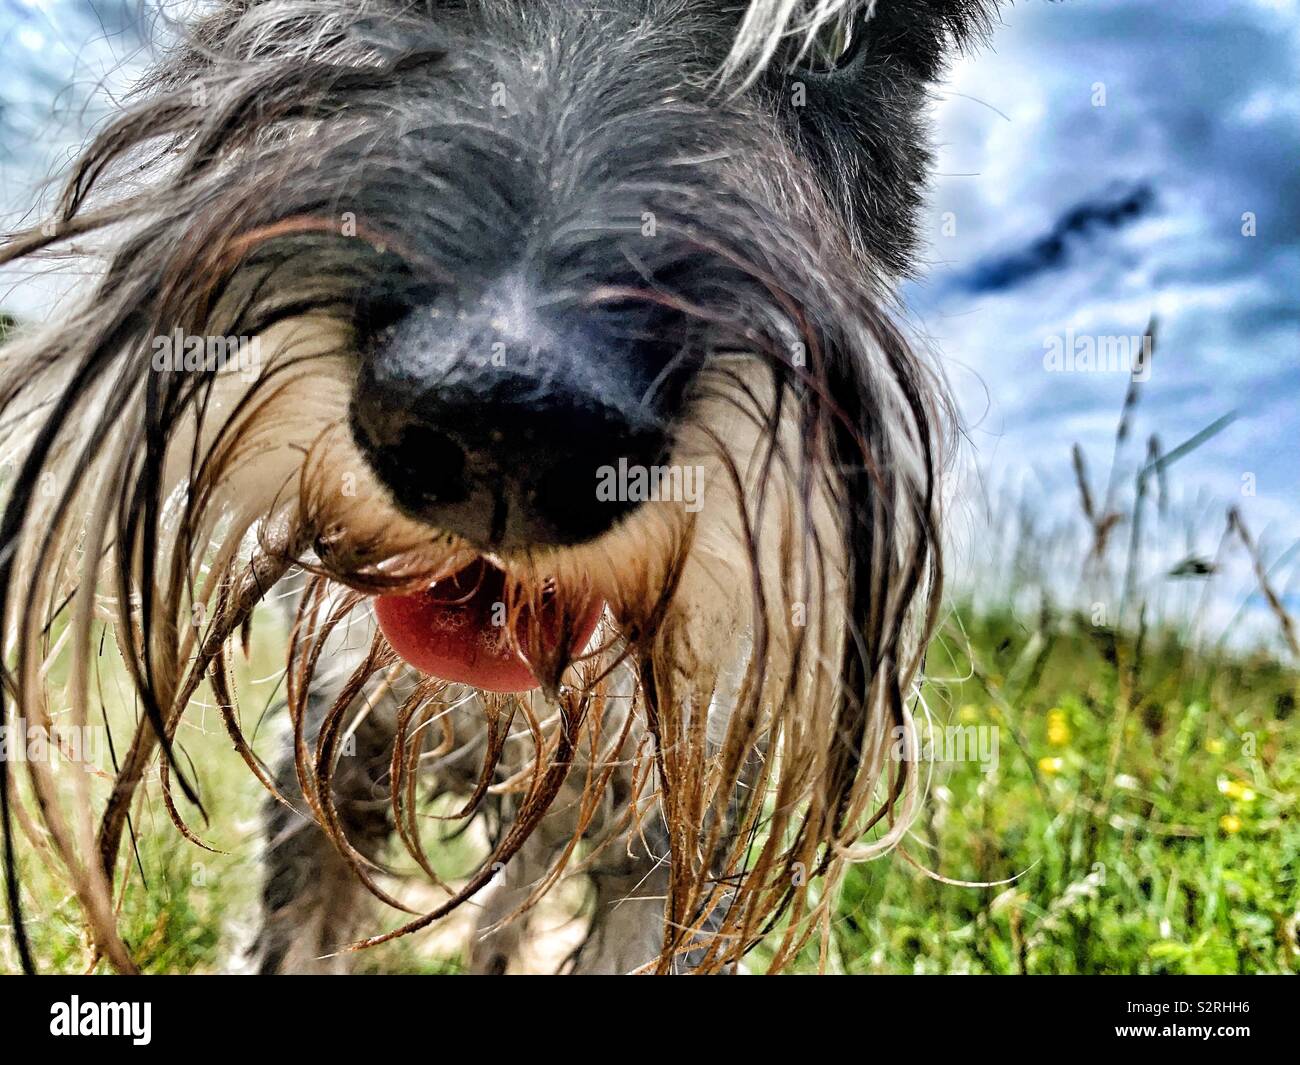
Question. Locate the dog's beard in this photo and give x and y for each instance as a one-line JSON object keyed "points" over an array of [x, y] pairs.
{"points": [[733, 620], [774, 636]]}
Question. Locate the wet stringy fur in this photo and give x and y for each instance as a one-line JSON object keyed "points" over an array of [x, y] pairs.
{"points": [[140, 501]]}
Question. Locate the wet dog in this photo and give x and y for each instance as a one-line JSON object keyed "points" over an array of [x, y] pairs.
{"points": [[540, 354]]}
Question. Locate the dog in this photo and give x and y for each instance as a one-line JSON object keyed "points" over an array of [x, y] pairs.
{"points": [[541, 357]]}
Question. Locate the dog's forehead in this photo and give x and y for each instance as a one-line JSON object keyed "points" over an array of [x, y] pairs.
{"points": [[757, 30]]}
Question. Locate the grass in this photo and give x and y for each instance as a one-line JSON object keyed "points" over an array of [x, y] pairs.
{"points": [[1142, 816], [1144, 801]]}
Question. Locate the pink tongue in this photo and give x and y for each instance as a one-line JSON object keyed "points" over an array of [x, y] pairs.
{"points": [[455, 630]]}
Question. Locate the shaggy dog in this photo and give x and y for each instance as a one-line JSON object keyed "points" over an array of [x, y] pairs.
{"points": [[542, 354]]}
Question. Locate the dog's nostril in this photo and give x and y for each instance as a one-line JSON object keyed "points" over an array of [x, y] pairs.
{"points": [[565, 493], [431, 463]]}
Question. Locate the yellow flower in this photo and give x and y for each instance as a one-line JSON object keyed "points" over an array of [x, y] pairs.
{"points": [[968, 715], [1058, 729], [1230, 823], [1236, 789], [1215, 745], [1050, 766]]}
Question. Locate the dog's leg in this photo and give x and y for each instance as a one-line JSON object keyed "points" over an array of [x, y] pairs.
{"points": [[626, 928], [630, 878], [627, 924], [627, 921], [312, 902], [496, 945], [628, 884]]}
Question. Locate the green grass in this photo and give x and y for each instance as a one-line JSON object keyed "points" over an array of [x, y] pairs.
{"points": [[1144, 803]]}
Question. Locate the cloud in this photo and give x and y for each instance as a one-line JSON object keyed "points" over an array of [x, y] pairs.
{"points": [[1069, 236], [1099, 163]]}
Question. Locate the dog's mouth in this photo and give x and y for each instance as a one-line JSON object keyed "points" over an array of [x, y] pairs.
{"points": [[483, 628]]}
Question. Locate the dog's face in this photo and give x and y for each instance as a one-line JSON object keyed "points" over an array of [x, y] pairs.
{"points": [[580, 223], [497, 260]]}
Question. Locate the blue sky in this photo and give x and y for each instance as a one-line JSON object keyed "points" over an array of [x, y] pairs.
{"points": [[1074, 216], [1095, 165]]}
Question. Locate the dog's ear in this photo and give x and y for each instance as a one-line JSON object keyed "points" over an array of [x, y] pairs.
{"points": [[918, 35], [912, 35]]}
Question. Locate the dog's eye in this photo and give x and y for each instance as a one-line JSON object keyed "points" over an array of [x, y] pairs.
{"points": [[835, 45]]}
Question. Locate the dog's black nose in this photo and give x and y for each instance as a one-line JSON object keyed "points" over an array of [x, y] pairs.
{"points": [[499, 422]]}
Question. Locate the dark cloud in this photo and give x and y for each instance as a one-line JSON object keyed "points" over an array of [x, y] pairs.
{"points": [[1073, 230]]}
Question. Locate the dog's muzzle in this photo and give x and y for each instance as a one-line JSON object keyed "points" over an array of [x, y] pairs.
{"points": [[492, 417]]}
